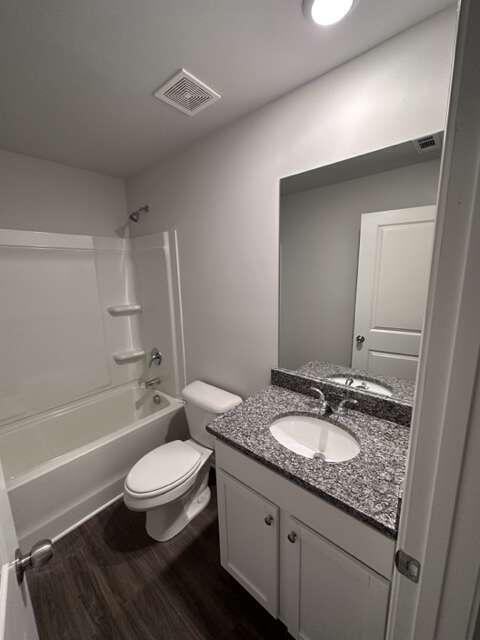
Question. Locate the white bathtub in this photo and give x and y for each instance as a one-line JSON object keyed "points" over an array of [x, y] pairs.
{"points": [[63, 466]]}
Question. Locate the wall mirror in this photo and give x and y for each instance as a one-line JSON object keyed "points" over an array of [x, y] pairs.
{"points": [[355, 252]]}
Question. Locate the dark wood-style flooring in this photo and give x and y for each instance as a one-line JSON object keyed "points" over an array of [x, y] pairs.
{"points": [[108, 579]]}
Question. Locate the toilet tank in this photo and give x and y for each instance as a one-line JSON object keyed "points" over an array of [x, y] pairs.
{"points": [[203, 403]]}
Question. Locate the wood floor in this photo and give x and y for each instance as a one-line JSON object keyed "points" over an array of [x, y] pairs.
{"points": [[110, 580]]}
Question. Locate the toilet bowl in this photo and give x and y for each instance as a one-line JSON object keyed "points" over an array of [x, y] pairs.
{"points": [[170, 483]]}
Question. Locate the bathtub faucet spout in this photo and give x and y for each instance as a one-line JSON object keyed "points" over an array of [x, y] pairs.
{"points": [[152, 383]]}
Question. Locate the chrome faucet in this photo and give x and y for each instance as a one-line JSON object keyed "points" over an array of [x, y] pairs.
{"points": [[343, 403], [323, 406], [151, 383], [155, 357]]}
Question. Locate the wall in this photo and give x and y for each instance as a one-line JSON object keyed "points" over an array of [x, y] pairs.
{"points": [[38, 195], [222, 192], [319, 239]]}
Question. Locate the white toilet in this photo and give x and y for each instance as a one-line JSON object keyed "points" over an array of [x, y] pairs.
{"points": [[171, 482]]}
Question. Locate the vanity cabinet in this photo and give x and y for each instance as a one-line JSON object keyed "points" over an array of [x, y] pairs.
{"points": [[249, 537], [321, 572]]}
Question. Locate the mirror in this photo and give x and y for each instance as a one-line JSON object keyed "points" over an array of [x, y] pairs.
{"points": [[355, 251]]}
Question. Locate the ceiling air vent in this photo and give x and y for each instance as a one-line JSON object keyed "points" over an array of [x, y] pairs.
{"points": [[427, 143], [187, 93]]}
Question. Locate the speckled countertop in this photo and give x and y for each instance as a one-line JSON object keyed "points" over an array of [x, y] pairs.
{"points": [[402, 390], [367, 487]]}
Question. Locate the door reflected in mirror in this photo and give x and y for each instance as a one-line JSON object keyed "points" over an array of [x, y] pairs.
{"points": [[356, 242]]}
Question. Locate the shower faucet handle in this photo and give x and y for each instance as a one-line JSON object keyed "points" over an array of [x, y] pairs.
{"points": [[155, 357]]}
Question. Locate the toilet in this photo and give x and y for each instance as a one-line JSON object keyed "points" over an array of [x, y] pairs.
{"points": [[171, 482]]}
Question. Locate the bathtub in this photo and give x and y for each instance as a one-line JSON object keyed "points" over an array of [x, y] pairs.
{"points": [[65, 465]]}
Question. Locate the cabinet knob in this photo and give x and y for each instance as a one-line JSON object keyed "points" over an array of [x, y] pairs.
{"points": [[360, 339], [268, 520], [292, 536]]}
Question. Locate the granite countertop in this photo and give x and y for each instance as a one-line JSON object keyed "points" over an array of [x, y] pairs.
{"points": [[402, 390], [367, 487]]}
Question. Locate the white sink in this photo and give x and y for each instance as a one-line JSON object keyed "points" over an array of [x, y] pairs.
{"points": [[362, 385], [313, 437]]}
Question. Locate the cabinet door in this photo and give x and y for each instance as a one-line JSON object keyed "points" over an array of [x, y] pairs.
{"points": [[249, 539], [329, 594]]}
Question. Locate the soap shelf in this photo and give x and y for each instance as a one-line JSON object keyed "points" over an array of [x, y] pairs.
{"points": [[124, 309], [125, 357]]}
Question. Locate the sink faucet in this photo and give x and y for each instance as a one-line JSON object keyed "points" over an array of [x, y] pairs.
{"points": [[323, 406], [342, 405]]}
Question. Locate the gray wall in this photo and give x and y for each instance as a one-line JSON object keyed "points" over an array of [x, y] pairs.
{"points": [[319, 239], [222, 192], [38, 195]]}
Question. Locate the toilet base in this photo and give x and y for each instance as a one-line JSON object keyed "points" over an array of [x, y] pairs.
{"points": [[165, 522]]}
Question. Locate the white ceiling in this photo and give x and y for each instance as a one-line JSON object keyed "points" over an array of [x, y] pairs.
{"points": [[77, 76]]}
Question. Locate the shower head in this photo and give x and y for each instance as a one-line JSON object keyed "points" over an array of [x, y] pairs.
{"points": [[135, 215]]}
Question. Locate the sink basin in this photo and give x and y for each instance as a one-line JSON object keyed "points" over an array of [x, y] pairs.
{"points": [[314, 437], [363, 385]]}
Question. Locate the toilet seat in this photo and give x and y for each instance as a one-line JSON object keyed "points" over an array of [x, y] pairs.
{"points": [[164, 483], [163, 469]]}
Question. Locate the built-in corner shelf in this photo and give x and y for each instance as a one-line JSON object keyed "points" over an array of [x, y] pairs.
{"points": [[124, 309], [126, 357]]}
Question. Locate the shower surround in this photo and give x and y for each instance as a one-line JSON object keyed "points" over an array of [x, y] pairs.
{"points": [[81, 315]]}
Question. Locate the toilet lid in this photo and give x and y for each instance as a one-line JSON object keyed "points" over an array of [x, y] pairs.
{"points": [[163, 468]]}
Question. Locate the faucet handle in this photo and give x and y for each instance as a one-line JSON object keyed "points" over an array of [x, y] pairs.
{"points": [[319, 393], [323, 406], [155, 357], [343, 404]]}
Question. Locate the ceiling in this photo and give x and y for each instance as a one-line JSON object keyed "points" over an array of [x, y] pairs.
{"points": [[77, 76]]}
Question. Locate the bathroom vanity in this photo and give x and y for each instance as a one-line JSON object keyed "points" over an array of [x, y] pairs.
{"points": [[312, 541]]}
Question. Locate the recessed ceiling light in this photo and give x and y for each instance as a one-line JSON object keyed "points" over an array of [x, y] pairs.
{"points": [[326, 12]]}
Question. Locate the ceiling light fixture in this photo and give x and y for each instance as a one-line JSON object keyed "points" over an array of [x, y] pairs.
{"points": [[327, 12]]}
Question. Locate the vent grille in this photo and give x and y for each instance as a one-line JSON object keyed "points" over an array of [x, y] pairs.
{"points": [[427, 143], [187, 93]]}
